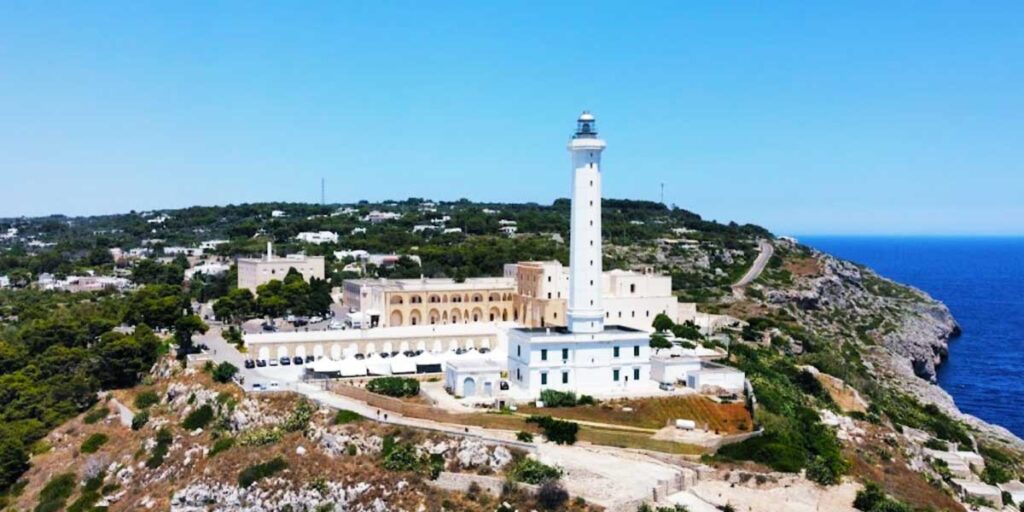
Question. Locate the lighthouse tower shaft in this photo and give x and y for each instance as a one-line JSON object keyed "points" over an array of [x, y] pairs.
{"points": [[585, 314]]}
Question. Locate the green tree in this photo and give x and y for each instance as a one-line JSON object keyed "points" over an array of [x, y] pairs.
{"points": [[662, 323], [659, 341], [184, 329]]}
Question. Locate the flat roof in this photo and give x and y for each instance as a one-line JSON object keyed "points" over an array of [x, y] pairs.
{"points": [[436, 284], [474, 364], [379, 333], [608, 329]]}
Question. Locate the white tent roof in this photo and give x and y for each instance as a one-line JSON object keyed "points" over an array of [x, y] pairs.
{"points": [[402, 364]]}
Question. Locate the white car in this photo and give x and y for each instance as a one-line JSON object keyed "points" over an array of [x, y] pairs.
{"points": [[335, 325], [315, 319], [273, 385]]}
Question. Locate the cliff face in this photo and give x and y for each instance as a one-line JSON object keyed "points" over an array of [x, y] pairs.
{"points": [[903, 333]]}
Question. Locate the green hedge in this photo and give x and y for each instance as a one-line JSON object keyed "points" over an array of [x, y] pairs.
{"points": [[557, 431], [397, 387], [198, 418]]}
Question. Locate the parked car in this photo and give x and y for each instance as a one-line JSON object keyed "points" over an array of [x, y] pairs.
{"points": [[269, 326], [261, 363], [315, 319], [249, 363], [273, 362], [258, 386], [310, 359], [335, 325], [285, 361], [297, 360], [300, 321], [273, 385]]}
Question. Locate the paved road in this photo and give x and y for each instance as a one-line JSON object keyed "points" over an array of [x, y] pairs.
{"points": [[766, 251]]}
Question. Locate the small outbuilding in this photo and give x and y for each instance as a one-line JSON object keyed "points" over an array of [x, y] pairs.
{"points": [[472, 378]]}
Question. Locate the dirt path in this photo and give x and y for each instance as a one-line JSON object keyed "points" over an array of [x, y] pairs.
{"points": [[766, 251]]}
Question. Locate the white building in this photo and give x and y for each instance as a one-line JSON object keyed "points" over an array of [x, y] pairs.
{"points": [[210, 245], [449, 231], [252, 272], [277, 214], [358, 231], [475, 378], [508, 230], [376, 217], [187, 251], [5, 282], [586, 356], [318, 237], [208, 269], [420, 228]]}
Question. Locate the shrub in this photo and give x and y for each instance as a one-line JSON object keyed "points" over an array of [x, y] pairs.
{"points": [[146, 399], [198, 418], [524, 436], [260, 436], [56, 493], [532, 471], [96, 414], [344, 417], [140, 420], [401, 457], [936, 444], [397, 387], [557, 431], [873, 499], [552, 496], [586, 400], [93, 443], [220, 445], [224, 372], [300, 416], [163, 443], [251, 474], [555, 398]]}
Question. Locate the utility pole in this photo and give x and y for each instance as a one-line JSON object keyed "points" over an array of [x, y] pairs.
{"points": [[322, 192], [663, 192]]}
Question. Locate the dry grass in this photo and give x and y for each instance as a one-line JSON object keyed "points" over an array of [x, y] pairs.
{"points": [[636, 440], [655, 413], [874, 460], [803, 267]]}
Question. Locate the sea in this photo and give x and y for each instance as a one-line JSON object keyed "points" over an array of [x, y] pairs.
{"points": [[981, 280]]}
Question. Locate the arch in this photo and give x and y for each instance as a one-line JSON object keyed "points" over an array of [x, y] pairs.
{"points": [[300, 351], [456, 316], [318, 351], [433, 317], [415, 318], [494, 314], [434, 299], [403, 346], [469, 387], [444, 317], [396, 319], [396, 299], [456, 298], [485, 343], [351, 350], [437, 348], [335, 352], [453, 344], [469, 343], [370, 348], [478, 314], [387, 347], [282, 351], [264, 353], [488, 388], [478, 297], [515, 315], [416, 299], [504, 315], [421, 345], [494, 297]]}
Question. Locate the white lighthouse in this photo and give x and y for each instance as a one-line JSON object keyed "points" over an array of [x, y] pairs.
{"points": [[585, 314]]}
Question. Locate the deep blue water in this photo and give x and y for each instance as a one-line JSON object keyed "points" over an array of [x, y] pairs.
{"points": [[982, 282]]}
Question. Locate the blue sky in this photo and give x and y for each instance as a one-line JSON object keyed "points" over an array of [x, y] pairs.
{"points": [[805, 117]]}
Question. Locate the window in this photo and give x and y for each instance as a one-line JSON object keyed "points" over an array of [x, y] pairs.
{"points": [[519, 350], [565, 377], [556, 315], [543, 354], [565, 353], [632, 314], [615, 375], [632, 288], [591, 203], [620, 314], [636, 373], [543, 379], [636, 351], [549, 279], [615, 352], [519, 376], [549, 295]]}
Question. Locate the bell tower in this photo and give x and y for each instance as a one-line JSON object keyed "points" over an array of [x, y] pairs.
{"points": [[585, 313]]}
